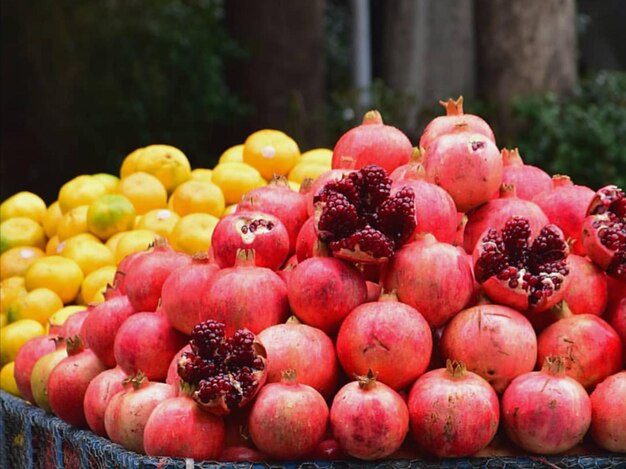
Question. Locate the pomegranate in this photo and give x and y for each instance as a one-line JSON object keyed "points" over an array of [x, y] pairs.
{"points": [[566, 205], [608, 413], [616, 316], [178, 428], [374, 291], [146, 342], [453, 412], [388, 337], [323, 290], [100, 391], [102, 323], [369, 419], [119, 279], [128, 411], [173, 378], [604, 231], [493, 341], [496, 212], [25, 360], [328, 450], [288, 420], [360, 220], [41, 371], [305, 242], [433, 277], [241, 454], [592, 350], [588, 287], [184, 292], [453, 120], [73, 325], [546, 411], [372, 142], [145, 276], [527, 179], [229, 299], [256, 230], [318, 185], [467, 165], [68, 381], [520, 273], [225, 372], [305, 349], [278, 199]]}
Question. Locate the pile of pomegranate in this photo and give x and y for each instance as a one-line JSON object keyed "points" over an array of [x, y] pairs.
{"points": [[445, 301]]}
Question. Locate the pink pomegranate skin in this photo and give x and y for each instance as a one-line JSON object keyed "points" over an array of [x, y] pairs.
{"points": [[184, 293], [496, 342], [527, 179], [369, 419], [67, 385], [305, 242], [323, 290], [453, 412], [146, 342], [305, 349], [25, 360], [588, 288], [99, 392], [591, 347], [128, 411], [73, 325], [434, 278], [241, 454], [177, 427], [173, 378], [545, 412], [616, 316], [288, 420], [318, 185], [119, 280], [608, 413], [388, 337]]}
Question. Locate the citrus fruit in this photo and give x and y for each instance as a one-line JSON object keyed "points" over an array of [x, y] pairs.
{"points": [[144, 191], [7, 379], [23, 204], [58, 273], [110, 214], [52, 245], [73, 222], [15, 261], [129, 164], [111, 243], [90, 255], [294, 186], [133, 241], [198, 197], [229, 209], [202, 174], [271, 151], [323, 156], [10, 289], [52, 218], [82, 190], [60, 316], [193, 233], [160, 221], [110, 181], [95, 284], [167, 163], [38, 304], [232, 154], [21, 231], [80, 236], [236, 179], [305, 170], [16, 334]]}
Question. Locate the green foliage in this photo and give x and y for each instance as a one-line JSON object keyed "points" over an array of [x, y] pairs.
{"points": [[582, 135]]}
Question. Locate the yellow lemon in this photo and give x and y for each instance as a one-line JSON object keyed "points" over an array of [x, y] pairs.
{"points": [[167, 163], [58, 273], [38, 304], [110, 214], [129, 164], [88, 254], [23, 204], [236, 179], [111, 243], [93, 287], [294, 186], [202, 174], [144, 191], [52, 218], [52, 245], [21, 231], [15, 261], [60, 247], [323, 156], [271, 151], [232, 154], [229, 209], [57, 318], [16, 334], [4, 319], [193, 233], [305, 170], [7, 379], [161, 221], [198, 197], [133, 241], [11, 289], [110, 181], [73, 222], [82, 190]]}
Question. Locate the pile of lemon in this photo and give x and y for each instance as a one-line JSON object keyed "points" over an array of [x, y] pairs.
{"points": [[56, 259]]}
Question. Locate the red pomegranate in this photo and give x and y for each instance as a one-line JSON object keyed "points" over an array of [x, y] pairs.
{"points": [[390, 338], [608, 413], [527, 179], [100, 391], [173, 378], [546, 412], [434, 278], [72, 327], [315, 187], [41, 372], [242, 454], [307, 237], [372, 142], [453, 412], [119, 280], [25, 360], [588, 288], [616, 316]]}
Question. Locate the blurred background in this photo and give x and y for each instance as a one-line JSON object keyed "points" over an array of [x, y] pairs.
{"points": [[86, 82]]}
